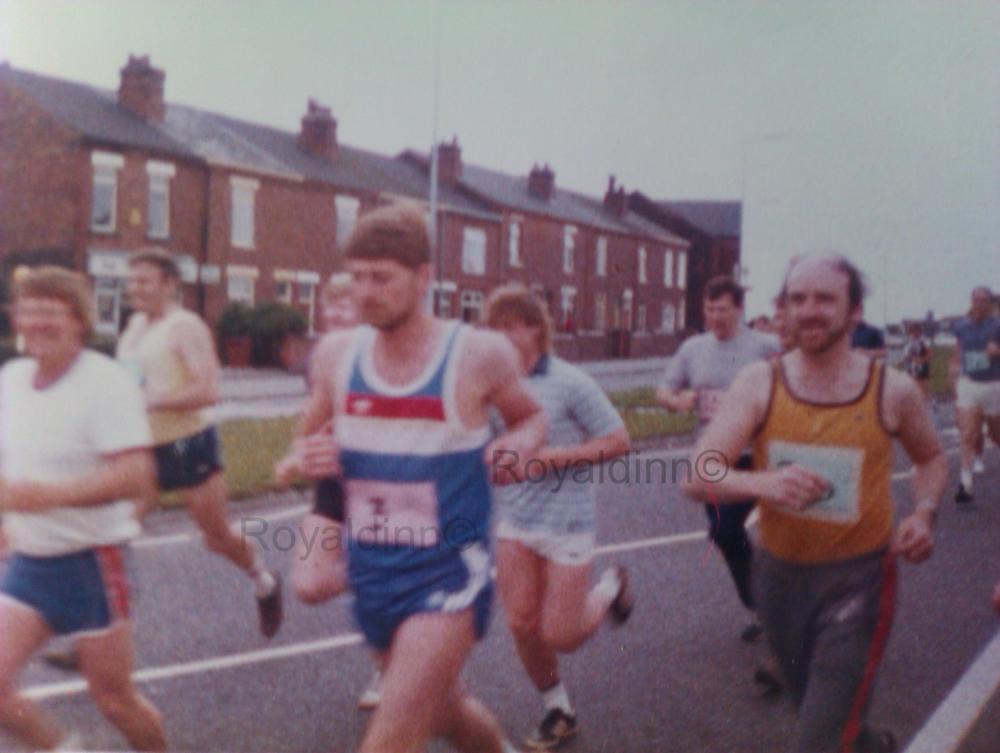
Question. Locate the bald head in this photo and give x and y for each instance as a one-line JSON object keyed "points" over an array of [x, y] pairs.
{"points": [[823, 265]]}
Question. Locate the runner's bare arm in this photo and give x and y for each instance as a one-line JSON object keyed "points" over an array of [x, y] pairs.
{"points": [[906, 414], [714, 480], [192, 341], [128, 474], [496, 366]]}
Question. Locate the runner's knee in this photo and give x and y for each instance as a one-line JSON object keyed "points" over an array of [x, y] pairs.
{"points": [[523, 624]]}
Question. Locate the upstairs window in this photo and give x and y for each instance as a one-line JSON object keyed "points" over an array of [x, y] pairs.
{"points": [[668, 269], [104, 195], [243, 192], [347, 217], [158, 216], [682, 270], [514, 245], [473, 251], [602, 256], [642, 265], [569, 241]]}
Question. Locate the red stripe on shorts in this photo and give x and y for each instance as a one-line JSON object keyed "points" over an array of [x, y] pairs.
{"points": [[886, 612], [112, 566]]}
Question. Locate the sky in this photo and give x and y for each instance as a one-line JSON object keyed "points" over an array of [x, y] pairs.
{"points": [[868, 128]]}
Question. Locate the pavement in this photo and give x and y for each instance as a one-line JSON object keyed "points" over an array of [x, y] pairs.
{"points": [[675, 679]]}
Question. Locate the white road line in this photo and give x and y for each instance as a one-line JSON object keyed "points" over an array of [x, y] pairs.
{"points": [[151, 674], [73, 687], [151, 542], [955, 717]]}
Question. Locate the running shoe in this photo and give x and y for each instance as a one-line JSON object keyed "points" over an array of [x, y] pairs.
{"points": [[876, 741], [270, 608], [963, 497], [978, 466], [372, 697], [556, 728], [624, 603]]}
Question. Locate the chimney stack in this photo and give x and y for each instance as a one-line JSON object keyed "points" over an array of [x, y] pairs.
{"points": [[615, 199], [542, 182], [449, 163], [141, 89], [319, 131]]}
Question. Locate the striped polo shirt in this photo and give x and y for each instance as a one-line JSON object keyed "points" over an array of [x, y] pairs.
{"points": [[415, 477], [560, 502]]}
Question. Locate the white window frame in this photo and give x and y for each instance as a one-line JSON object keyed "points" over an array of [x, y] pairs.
{"points": [[602, 256], [682, 270], [640, 317], [159, 175], [347, 208], [105, 172], [243, 193], [681, 304], [569, 242], [600, 311], [473, 251], [642, 264], [514, 244], [567, 305], [668, 318], [240, 272], [472, 299], [668, 268]]}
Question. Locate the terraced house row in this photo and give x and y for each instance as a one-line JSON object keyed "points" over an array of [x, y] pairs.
{"points": [[88, 175]]}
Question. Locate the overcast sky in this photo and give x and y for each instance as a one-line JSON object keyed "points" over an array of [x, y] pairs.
{"points": [[870, 127]]}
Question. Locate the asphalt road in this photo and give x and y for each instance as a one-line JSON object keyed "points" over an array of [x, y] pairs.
{"points": [[676, 678]]}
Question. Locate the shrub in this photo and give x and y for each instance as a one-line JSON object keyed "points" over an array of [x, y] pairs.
{"points": [[234, 321], [271, 323]]}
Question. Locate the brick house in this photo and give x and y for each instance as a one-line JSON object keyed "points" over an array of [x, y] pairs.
{"points": [[257, 213], [713, 228], [609, 276]]}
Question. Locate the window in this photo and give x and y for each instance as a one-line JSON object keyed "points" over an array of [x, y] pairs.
{"points": [[158, 216], [602, 256], [667, 323], [642, 265], [347, 217], [682, 270], [443, 303], [514, 244], [569, 235], [668, 269], [640, 317], [680, 316], [104, 196], [600, 311], [283, 291], [567, 320], [473, 251], [472, 306], [242, 191], [240, 289]]}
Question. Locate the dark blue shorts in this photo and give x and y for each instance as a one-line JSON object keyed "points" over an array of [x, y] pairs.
{"points": [[75, 593], [188, 461], [382, 605]]}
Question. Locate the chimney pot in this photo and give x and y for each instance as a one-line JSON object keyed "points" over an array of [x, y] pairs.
{"points": [[141, 89], [318, 134]]}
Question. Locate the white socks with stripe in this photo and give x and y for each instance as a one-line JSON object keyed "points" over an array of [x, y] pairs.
{"points": [[608, 585], [966, 478]]}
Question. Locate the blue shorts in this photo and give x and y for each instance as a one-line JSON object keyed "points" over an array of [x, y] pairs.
{"points": [[383, 604], [75, 593], [188, 461]]}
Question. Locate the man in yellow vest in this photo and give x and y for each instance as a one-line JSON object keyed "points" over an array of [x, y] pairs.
{"points": [[822, 420], [170, 351]]}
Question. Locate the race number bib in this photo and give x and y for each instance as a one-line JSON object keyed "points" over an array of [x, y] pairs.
{"points": [[393, 514], [708, 403], [975, 361], [840, 466]]}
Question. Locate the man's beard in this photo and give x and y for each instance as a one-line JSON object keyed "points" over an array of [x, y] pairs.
{"points": [[830, 340]]}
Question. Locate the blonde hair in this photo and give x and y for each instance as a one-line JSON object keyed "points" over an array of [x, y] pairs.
{"points": [[60, 284], [514, 302]]}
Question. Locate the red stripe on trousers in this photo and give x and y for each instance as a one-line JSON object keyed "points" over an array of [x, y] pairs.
{"points": [[886, 612], [115, 581]]}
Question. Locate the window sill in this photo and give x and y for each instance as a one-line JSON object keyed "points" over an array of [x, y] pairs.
{"points": [[104, 230]]}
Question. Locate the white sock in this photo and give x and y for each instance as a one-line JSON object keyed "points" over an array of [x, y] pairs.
{"points": [[72, 742], [263, 581], [507, 747], [966, 479], [556, 697], [608, 585]]}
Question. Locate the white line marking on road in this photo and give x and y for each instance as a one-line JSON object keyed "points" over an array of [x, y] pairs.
{"points": [[170, 539], [73, 687], [955, 717], [631, 546]]}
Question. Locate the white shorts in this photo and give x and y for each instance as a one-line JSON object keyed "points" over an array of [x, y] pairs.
{"points": [[565, 549], [982, 395]]}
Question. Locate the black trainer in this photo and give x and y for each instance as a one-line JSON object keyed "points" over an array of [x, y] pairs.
{"points": [[751, 632], [270, 608], [556, 728], [962, 496], [624, 603]]}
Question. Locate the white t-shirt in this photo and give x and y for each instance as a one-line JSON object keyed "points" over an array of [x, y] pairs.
{"points": [[63, 431]]}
